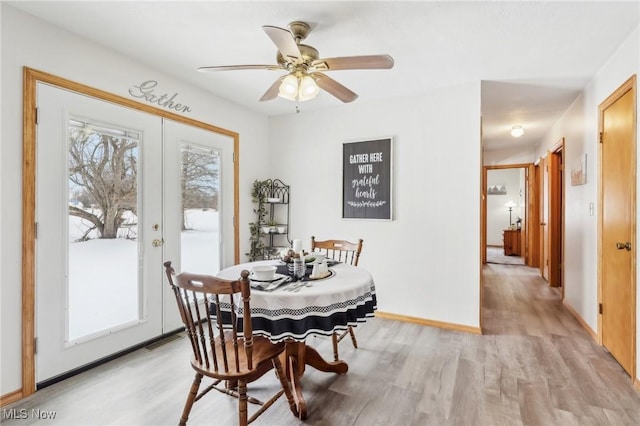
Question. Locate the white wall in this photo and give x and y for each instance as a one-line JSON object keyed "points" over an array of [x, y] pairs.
{"points": [[579, 126], [27, 41], [498, 157], [426, 262], [497, 213]]}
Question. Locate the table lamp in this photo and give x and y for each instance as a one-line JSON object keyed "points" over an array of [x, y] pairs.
{"points": [[510, 205]]}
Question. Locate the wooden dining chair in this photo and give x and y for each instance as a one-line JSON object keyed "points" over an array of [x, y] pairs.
{"points": [[222, 352], [345, 252]]}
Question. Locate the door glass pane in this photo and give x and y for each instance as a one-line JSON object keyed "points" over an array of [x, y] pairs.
{"points": [[103, 285], [199, 187]]}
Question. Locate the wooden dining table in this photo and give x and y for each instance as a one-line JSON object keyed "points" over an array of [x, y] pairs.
{"points": [[296, 310]]}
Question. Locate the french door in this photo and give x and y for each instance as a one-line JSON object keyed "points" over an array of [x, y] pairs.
{"points": [[198, 211], [118, 191]]}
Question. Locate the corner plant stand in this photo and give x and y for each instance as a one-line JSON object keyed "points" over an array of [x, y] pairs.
{"points": [[270, 231]]}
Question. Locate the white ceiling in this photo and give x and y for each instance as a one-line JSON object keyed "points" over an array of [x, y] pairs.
{"points": [[533, 57]]}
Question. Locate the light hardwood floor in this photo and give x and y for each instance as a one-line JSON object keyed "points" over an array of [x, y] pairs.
{"points": [[534, 365]]}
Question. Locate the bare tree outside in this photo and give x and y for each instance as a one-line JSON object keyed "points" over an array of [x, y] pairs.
{"points": [[103, 173], [103, 179], [104, 185], [200, 174]]}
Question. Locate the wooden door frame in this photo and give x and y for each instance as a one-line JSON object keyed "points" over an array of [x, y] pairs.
{"points": [[630, 84], [30, 79], [483, 214]]}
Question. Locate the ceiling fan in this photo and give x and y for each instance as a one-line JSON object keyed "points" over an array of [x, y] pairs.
{"points": [[305, 69]]}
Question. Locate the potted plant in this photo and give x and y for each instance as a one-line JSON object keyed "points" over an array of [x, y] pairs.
{"points": [[256, 248], [258, 196], [273, 225]]}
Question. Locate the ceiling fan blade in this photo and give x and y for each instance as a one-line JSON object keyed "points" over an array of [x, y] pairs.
{"points": [[273, 91], [284, 41], [333, 87], [239, 67], [369, 62]]}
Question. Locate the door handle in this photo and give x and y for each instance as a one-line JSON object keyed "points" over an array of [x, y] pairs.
{"points": [[157, 243], [626, 246]]}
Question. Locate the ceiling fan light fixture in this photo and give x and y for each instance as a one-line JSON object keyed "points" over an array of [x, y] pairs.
{"points": [[517, 131], [308, 88], [298, 88], [304, 68], [289, 87]]}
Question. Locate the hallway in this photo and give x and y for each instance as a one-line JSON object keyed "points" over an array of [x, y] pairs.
{"points": [[550, 365]]}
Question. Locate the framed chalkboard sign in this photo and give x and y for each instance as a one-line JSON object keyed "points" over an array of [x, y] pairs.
{"points": [[366, 179]]}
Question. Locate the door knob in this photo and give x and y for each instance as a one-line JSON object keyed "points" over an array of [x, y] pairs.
{"points": [[626, 246], [157, 243]]}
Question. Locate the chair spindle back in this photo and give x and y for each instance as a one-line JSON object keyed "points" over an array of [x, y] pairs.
{"points": [[215, 344], [340, 250]]}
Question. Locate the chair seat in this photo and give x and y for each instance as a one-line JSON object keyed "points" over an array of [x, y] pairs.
{"points": [[263, 351]]}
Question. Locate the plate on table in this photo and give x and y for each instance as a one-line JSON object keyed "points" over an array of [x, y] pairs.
{"points": [[276, 278], [329, 274], [330, 262], [270, 285]]}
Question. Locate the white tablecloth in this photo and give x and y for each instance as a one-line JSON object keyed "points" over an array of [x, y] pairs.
{"points": [[331, 304]]}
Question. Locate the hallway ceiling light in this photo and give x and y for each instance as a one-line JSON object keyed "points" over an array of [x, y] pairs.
{"points": [[517, 131]]}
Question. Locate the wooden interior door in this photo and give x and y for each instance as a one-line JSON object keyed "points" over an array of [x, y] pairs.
{"points": [[554, 216], [544, 218], [483, 219], [524, 235], [533, 222], [617, 212]]}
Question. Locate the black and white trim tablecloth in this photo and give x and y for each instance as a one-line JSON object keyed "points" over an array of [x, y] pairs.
{"points": [[345, 299]]}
